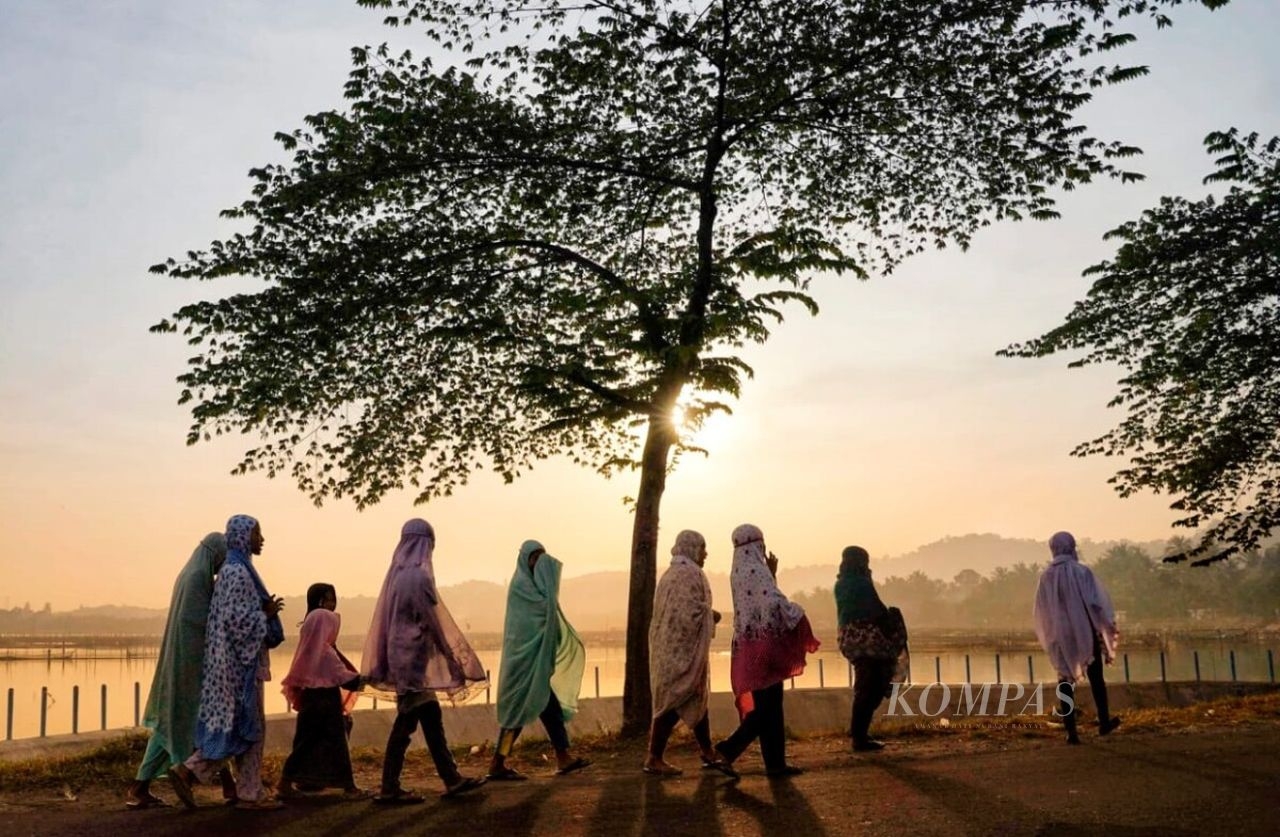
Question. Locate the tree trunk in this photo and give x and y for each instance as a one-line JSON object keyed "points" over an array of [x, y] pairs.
{"points": [[636, 698]]}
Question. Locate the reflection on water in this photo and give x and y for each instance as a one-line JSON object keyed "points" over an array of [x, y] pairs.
{"points": [[604, 677]]}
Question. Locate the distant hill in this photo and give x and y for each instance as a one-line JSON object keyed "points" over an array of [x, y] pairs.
{"points": [[985, 553], [593, 602]]}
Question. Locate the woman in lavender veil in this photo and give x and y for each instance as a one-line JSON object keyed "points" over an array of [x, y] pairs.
{"points": [[1076, 624], [414, 649]]}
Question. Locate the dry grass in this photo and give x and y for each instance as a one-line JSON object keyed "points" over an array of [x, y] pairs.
{"points": [[1223, 712], [114, 762]]}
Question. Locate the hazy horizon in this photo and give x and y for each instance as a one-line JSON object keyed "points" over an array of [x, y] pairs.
{"points": [[886, 421], [899, 565]]}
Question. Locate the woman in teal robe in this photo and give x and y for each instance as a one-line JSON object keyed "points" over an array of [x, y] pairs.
{"points": [[175, 688], [542, 662]]}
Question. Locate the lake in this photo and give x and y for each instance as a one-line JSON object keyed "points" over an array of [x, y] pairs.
{"points": [[604, 675]]}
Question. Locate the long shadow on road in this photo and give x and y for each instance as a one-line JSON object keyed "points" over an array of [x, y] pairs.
{"points": [[778, 807]]}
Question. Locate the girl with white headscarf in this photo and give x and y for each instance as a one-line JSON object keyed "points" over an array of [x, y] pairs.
{"points": [[414, 648], [771, 637], [1076, 625]]}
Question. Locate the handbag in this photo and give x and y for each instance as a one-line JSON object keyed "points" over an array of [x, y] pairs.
{"points": [[882, 638]]}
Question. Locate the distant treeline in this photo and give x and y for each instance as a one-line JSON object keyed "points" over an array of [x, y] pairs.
{"points": [[1147, 593], [995, 593]]}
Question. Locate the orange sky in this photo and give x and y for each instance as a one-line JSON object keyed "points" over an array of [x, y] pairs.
{"points": [[886, 421]]}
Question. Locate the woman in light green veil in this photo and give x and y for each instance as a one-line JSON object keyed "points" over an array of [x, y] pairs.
{"points": [[542, 662]]}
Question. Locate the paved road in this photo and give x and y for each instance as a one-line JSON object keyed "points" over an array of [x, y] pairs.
{"points": [[1215, 781]]}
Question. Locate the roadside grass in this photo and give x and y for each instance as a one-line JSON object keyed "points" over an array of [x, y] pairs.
{"points": [[115, 762], [1221, 712]]}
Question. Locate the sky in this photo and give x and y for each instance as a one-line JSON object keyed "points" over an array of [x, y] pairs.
{"points": [[126, 125]]}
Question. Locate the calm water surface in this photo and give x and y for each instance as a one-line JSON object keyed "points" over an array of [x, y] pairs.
{"points": [[604, 666]]}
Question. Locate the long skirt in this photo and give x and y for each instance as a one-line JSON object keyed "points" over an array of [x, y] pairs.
{"points": [[320, 757]]}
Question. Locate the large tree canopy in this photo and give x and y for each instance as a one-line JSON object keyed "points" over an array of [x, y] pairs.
{"points": [[1189, 307], [537, 247]]}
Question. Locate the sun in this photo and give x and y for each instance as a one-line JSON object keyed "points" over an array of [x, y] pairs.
{"points": [[700, 427]]}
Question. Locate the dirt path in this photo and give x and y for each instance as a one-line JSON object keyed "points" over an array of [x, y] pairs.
{"points": [[1201, 781]]}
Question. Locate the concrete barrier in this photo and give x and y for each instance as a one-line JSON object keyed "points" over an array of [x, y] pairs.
{"points": [[808, 712]]}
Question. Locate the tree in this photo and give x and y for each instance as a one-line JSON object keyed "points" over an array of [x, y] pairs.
{"points": [[1189, 308], [571, 227]]}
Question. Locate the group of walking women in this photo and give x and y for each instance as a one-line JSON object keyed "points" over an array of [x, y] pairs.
{"points": [[1074, 621], [205, 708]]}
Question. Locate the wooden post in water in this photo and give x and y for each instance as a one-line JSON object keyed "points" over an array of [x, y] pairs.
{"points": [[1162, 677], [44, 708], [75, 710], [822, 682], [850, 675], [1271, 668], [1195, 655], [1031, 671], [997, 668], [597, 681], [488, 684], [104, 705], [966, 669], [1232, 655], [137, 703], [8, 717], [937, 669]]}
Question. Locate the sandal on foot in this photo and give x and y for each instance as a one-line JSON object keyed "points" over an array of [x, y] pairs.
{"points": [[286, 790], [506, 774], [228, 783], [463, 786], [180, 777], [399, 797], [138, 803], [266, 803], [721, 765], [662, 770], [576, 764]]}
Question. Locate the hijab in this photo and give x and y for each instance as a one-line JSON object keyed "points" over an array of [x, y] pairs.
{"points": [[413, 643], [1071, 610], [541, 652], [856, 597]]}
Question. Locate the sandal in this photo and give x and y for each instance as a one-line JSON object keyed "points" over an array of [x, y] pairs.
{"points": [[286, 790], [398, 797], [723, 766], [470, 783], [180, 777], [506, 774], [139, 803], [576, 764], [662, 770], [228, 783], [266, 803]]}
